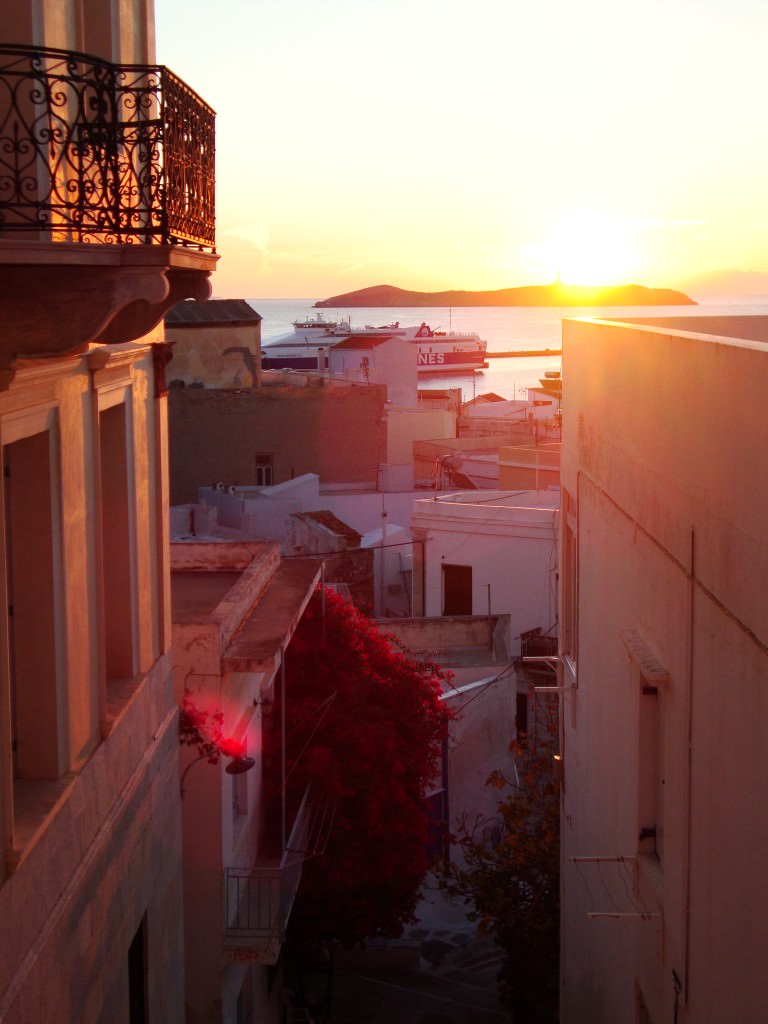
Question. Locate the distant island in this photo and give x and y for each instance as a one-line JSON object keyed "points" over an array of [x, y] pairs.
{"points": [[557, 294]]}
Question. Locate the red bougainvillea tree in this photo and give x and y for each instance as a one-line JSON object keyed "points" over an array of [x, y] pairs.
{"points": [[365, 729], [201, 729]]}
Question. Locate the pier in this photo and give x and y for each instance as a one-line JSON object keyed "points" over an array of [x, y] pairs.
{"points": [[525, 352]]}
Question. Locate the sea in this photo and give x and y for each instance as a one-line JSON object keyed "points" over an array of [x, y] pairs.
{"points": [[505, 328]]}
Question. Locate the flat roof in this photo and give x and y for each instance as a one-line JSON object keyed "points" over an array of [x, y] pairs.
{"points": [[211, 313], [194, 595], [741, 327], [362, 341]]}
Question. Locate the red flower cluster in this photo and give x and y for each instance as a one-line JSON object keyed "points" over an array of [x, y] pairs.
{"points": [[365, 727], [202, 729]]}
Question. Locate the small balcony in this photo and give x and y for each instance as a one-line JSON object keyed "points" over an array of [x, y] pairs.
{"points": [[533, 644], [258, 900], [107, 198], [258, 903]]}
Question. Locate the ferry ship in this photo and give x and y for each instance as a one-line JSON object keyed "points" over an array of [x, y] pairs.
{"points": [[306, 347]]}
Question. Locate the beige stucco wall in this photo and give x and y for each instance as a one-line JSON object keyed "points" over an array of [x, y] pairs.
{"points": [[529, 467], [92, 844], [404, 426], [109, 854], [199, 355], [120, 31], [659, 462], [216, 434]]}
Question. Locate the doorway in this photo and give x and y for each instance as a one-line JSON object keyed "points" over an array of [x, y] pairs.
{"points": [[457, 589]]}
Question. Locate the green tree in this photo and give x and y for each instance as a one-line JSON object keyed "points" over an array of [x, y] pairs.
{"points": [[512, 882]]}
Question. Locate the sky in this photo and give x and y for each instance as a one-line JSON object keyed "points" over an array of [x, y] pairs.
{"points": [[481, 144]]}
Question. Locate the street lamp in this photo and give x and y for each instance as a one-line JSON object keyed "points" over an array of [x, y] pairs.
{"points": [[237, 766]]}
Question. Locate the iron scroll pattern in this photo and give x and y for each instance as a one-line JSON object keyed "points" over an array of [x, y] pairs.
{"points": [[97, 152]]}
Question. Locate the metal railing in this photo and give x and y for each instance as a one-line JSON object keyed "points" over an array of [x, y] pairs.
{"points": [[258, 900], [534, 645], [92, 151]]}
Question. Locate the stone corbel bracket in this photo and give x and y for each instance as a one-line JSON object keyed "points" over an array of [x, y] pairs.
{"points": [[58, 299]]}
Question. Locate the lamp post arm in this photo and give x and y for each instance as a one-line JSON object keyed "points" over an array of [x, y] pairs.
{"points": [[200, 757]]}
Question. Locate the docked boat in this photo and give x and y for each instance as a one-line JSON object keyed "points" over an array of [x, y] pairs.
{"points": [[552, 382], [306, 347]]}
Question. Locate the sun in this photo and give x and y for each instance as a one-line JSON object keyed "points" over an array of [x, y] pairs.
{"points": [[588, 248]]}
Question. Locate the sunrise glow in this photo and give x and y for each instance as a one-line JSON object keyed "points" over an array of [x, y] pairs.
{"points": [[590, 249], [516, 143]]}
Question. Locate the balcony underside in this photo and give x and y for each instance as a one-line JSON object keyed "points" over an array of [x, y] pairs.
{"points": [[57, 298], [107, 200]]}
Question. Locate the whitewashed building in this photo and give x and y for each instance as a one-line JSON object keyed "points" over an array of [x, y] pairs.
{"points": [[664, 646], [486, 553]]}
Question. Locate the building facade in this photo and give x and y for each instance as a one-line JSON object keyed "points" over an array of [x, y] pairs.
{"points": [[664, 648], [215, 344], [90, 876], [235, 608], [457, 567], [293, 424]]}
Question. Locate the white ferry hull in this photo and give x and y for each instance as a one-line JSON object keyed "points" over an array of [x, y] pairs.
{"points": [[429, 360], [284, 358], [307, 347]]}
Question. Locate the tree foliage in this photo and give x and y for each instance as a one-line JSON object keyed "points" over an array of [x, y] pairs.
{"points": [[201, 728], [512, 882], [365, 729]]}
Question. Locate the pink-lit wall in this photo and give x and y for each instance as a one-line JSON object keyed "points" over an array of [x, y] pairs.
{"points": [[665, 712]]}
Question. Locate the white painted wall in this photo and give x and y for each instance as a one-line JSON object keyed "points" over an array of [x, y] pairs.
{"points": [[392, 555], [391, 362], [669, 505], [509, 540]]}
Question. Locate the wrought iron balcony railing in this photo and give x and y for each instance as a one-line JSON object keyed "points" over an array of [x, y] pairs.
{"points": [[97, 152]]}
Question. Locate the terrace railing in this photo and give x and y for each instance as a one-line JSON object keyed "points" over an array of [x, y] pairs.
{"points": [[258, 900], [104, 153]]}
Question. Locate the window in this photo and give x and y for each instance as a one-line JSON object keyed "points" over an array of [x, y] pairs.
{"points": [[263, 469], [650, 772], [521, 713], [457, 589], [137, 976], [117, 528], [651, 681], [31, 564]]}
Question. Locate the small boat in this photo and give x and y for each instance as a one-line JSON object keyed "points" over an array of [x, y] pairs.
{"points": [[552, 382], [306, 347]]}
